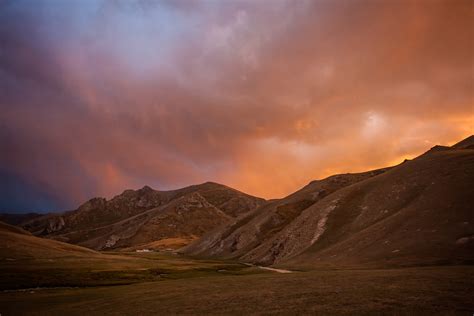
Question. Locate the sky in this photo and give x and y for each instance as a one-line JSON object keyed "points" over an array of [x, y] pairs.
{"points": [[264, 96]]}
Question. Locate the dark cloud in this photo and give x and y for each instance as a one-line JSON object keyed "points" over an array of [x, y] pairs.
{"points": [[97, 97]]}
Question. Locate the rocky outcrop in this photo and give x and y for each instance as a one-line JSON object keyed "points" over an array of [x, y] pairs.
{"points": [[146, 215]]}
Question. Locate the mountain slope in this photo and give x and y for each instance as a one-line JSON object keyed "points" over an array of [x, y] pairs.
{"points": [[19, 244], [138, 218], [419, 212], [18, 219], [467, 143], [261, 225]]}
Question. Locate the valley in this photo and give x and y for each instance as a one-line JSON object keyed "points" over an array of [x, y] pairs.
{"points": [[417, 290], [236, 157], [391, 239]]}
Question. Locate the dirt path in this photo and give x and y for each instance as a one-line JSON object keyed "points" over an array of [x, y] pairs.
{"points": [[275, 270], [268, 268]]}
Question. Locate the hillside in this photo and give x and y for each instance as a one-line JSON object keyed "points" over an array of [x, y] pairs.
{"points": [[259, 226], [20, 244], [18, 219], [419, 212], [141, 218]]}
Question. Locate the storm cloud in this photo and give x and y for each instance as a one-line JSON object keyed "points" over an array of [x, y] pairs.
{"points": [[264, 96]]}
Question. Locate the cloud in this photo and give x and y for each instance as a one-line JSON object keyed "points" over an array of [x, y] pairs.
{"points": [[100, 96]]}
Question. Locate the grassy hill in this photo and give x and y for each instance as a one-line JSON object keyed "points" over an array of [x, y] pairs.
{"points": [[416, 213]]}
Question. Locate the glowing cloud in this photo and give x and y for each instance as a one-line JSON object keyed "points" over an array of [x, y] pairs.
{"points": [[265, 96]]}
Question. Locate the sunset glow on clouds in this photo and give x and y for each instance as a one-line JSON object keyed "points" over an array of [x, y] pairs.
{"points": [[264, 96]]}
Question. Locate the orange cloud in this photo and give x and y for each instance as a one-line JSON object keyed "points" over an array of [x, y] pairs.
{"points": [[261, 97]]}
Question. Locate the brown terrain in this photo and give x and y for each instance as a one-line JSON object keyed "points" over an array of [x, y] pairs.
{"points": [[419, 212], [19, 244], [146, 218], [18, 219], [392, 241], [47, 277]]}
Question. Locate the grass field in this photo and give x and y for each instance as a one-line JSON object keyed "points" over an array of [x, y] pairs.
{"points": [[110, 269], [163, 283]]}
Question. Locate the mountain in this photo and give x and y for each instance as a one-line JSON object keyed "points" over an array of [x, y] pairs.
{"points": [[419, 212], [20, 244], [467, 143], [146, 218], [259, 226], [17, 219]]}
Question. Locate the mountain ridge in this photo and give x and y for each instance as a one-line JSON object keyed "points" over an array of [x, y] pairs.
{"points": [[350, 225], [342, 220], [105, 224]]}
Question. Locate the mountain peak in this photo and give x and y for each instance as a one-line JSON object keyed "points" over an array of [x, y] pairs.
{"points": [[211, 183], [146, 188], [467, 143]]}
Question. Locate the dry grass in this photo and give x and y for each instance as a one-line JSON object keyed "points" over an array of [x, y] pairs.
{"points": [[164, 244], [110, 269], [88, 282], [429, 290]]}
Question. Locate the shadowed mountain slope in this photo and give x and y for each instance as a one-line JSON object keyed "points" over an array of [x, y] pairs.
{"points": [[467, 143], [261, 225], [20, 244], [142, 217], [419, 212], [18, 219]]}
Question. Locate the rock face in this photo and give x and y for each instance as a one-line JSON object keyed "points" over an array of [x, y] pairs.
{"points": [[419, 212], [138, 218]]}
